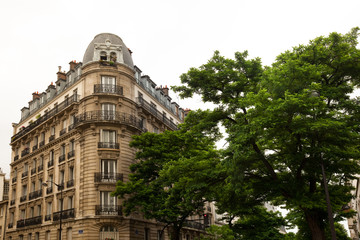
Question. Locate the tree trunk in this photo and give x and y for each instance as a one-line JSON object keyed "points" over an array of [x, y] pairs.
{"points": [[175, 234], [313, 221]]}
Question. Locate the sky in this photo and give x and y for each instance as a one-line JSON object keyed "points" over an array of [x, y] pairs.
{"points": [[166, 38]]}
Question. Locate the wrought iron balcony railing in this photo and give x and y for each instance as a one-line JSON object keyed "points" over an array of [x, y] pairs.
{"points": [[42, 143], [16, 157], [48, 217], [70, 183], [40, 167], [35, 147], [50, 163], [69, 213], [23, 198], [109, 116], [35, 194], [49, 190], [20, 223], [63, 131], [62, 158], [51, 138], [71, 154], [112, 145], [108, 177], [60, 107], [25, 152], [71, 127], [25, 174], [114, 210], [14, 179], [33, 221], [156, 113], [108, 88], [194, 224]]}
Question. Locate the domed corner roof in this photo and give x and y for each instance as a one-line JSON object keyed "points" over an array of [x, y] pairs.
{"points": [[114, 39]]}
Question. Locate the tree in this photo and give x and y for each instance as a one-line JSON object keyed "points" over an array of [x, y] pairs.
{"points": [[171, 176], [286, 121]]}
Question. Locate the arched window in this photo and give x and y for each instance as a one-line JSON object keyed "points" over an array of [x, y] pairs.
{"points": [[109, 232], [113, 56], [103, 56]]}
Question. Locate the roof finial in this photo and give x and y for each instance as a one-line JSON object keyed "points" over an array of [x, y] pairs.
{"points": [[59, 68]]}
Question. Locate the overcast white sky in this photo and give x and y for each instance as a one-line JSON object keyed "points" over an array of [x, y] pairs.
{"points": [[166, 37]]}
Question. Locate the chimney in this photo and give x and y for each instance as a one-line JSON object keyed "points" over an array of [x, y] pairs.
{"points": [[61, 75], [36, 95], [72, 65], [166, 90], [186, 111]]}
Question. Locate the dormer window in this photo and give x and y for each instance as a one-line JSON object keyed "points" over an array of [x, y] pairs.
{"points": [[113, 56], [103, 56]]}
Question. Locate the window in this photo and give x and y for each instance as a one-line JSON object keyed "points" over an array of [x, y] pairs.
{"points": [[21, 237], [51, 156], [22, 214], [108, 169], [40, 184], [47, 235], [108, 136], [61, 177], [12, 214], [31, 212], [64, 124], [60, 204], [140, 95], [72, 145], [113, 56], [26, 167], [71, 173], [34, 164], [143, 122], [70, 202], [108, 80], [108, 111], [36, 140], [159, 235], [62, 150], [48, 208], [52, 131], [1, 211], [38, 210], [13, 195], [146, 234], [37, 236], [69, 233], [32, 186], [24, 190], [103, 56], [106, 199], [155, 129]]}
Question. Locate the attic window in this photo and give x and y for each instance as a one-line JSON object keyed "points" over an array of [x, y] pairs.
{"points": [[103, 56], [113, 56]]}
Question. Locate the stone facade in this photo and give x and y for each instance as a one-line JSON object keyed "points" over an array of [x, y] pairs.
{"points": [[72, 145]]}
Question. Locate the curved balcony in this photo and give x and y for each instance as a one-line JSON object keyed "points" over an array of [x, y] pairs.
{"points": [[108, 177], [111, 145], [108, 88], [109, 116], [109, 210]]}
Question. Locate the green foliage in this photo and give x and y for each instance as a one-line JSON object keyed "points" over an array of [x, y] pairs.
{"points": [[172, 176], [284, 121]]}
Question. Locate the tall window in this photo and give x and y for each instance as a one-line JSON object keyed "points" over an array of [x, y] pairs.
{"points": [[38, 210], [108, 111], [71, 173], [32, 186], [70, 202], [52, 131], [106, 199], [24, 190], [62, 150], [64, 124], [62, 177], [108, 136], [31, 212], [51, 156], [22, 214], [108, 80], [48, 208], [108, 169]]}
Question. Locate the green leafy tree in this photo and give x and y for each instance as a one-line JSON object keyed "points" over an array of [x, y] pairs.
{"points": [[171, 177], [286, 121]]}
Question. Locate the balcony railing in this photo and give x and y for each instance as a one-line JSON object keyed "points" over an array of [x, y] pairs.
{"points": [[156, 113], [33, 221], [51, 138], [49, 190], [70, 183], [25, 152], [12, 202], [20, 223], [42, 143], [69, 213], [62, 158], [10, 225], [24, 174], [40, 167], [112, 145], [63, 131], [35, 147], [112, 116], [33, 171], [67, 102], [108, 88], [193, 224], [14, 179], [114, 210], [48, 217], [23, 198], [71, 154], [16, 157], [50, 163], [108, 177], [35, 194], [71, 127]]}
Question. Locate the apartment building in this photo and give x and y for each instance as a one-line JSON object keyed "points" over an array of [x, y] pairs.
{"points": [[71, 146], [4, 198]]}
